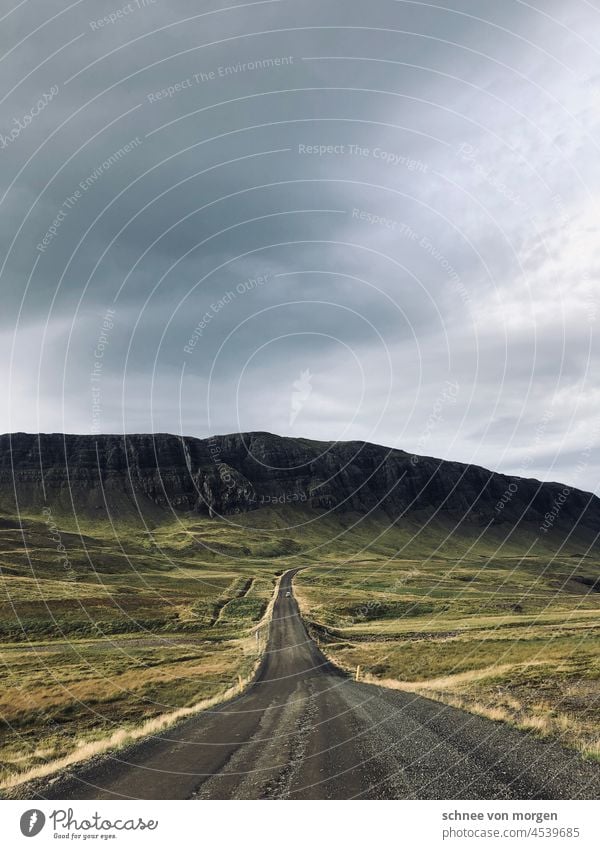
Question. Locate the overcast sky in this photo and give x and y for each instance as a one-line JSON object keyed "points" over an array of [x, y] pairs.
{"points": [[341, 220]]}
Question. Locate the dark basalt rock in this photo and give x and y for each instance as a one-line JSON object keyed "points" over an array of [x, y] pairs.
{"points": [[236, 473]]}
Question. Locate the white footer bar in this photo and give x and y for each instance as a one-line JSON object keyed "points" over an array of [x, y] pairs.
{"points": [[311, 825]]}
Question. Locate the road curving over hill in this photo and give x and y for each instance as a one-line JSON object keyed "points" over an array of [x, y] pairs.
{"points": [[304, 730]]}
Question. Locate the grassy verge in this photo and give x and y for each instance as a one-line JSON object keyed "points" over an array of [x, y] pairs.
{"points": [[99, 657], [515, 641]]}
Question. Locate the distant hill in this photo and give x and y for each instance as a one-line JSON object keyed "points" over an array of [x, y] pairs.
{"points": [[161, 474]]}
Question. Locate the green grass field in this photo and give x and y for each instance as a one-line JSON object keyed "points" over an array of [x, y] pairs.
{"points": [[119, 627], [105, 627], [516, 640]]}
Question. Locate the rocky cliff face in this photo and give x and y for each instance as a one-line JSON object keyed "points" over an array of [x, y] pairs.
{"points": [[236, 473]]}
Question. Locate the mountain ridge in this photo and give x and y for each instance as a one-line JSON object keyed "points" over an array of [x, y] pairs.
{"points": [[236, 473], [302, 439]]}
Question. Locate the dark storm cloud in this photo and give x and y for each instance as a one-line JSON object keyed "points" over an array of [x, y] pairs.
{"points": [[413, 188]]}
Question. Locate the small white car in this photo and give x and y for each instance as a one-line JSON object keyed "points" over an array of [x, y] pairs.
{"points": [[288, 594]]}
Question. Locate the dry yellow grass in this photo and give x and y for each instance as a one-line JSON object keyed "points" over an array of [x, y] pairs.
{"points": [[448, 682], [84, 749], [463, 691], [514, 640]]}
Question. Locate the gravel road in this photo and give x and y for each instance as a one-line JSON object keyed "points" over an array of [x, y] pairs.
{"points": [[304, 730]]}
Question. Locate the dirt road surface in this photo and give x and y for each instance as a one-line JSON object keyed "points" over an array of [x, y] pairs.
{"points": [[304, 730]]}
